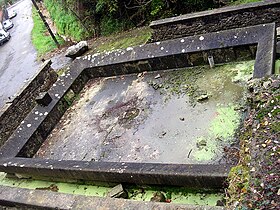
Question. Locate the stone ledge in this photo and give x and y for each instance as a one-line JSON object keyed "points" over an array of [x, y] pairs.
{"points": [[194, 176], [36, 199]]}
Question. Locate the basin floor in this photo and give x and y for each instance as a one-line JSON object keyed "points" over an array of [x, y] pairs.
{"points": [[186, 116]]}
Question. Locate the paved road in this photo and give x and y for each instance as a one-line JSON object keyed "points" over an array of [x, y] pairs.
{"points": [[18, 56]]}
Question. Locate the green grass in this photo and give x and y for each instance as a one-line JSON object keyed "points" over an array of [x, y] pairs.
{"points": [[66, 23], [243, 2], [125, 39], [41, 39]]}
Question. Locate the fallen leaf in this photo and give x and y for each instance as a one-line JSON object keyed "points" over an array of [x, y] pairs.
{"points": [[244, 190], [268, 141], [265, 123]]}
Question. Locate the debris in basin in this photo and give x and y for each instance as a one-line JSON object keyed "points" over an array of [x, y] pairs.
{"points": [[158, 197], [201, 143], [182, 118], [130, 114], [52, 188], [163, 133], [142, 74], [117, 192], [266, 84], [156, 85], [202, 98], [157, 76]]}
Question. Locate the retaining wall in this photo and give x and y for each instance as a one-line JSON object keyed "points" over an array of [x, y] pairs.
{"points": [[14, 112], [216, 20]]}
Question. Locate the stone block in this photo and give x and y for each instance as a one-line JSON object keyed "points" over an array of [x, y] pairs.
{"points": [[44, 99], [117, 192], [77, 50]]}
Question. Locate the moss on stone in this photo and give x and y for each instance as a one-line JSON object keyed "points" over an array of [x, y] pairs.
{"points": [[225, 124]]}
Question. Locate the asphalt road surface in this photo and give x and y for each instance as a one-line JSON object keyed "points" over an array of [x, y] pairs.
{"points": [[17, 57]]}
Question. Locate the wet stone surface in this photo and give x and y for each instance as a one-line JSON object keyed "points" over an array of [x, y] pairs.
{"points": [[154, 117]]}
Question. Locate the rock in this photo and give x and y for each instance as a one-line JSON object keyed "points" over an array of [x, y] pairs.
{"points": [[117, 192], [266, 84], [52, 188], [77, 50], [278, 49], [201, 143], [158, 76], [220, 203], [156, 86], [202, 97], [275, 84], [44, 99], [158, 197], [163, 133]]}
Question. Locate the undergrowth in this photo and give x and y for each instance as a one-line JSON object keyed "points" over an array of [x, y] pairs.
{"points": [[41, 39], [243, 2], [66, 23]]}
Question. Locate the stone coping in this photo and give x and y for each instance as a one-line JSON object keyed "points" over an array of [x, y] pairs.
{"points": [[195, 176], [39, 199]]}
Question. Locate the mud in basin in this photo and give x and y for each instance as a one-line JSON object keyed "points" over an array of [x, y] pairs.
{"points": [[187, 116]]}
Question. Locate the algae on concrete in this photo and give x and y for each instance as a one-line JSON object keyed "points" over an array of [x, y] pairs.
{"points": [[194, 198], [176, 194], [63, 187], [224, 86], [223, 127]]}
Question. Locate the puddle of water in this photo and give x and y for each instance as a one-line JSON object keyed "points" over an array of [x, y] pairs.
{"points": [[184, 116]]}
